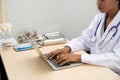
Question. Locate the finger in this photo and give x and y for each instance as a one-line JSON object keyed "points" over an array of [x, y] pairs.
{"points": [[64, 62], [60, 59], [49, 54], [53, 54]]}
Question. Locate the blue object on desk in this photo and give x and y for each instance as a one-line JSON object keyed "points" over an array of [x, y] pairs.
{"points": [[23, 47]]}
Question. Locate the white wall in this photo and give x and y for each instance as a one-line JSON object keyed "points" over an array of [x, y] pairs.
{"points": [[67, 16]]}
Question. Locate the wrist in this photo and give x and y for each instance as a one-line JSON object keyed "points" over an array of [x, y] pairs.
{"points": [[67, 49]]}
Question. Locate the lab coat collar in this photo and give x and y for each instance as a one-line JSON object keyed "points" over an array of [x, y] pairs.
{"points": [[99, 35], [114, 22]]}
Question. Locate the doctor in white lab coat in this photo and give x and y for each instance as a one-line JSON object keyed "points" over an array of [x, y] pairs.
{"points": [[101, 38]]}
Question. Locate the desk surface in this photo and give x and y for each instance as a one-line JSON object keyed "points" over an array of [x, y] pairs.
{"points": [[27, 65]]}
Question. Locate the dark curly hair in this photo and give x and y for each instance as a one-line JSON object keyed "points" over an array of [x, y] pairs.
{"points": [[119, 3]]}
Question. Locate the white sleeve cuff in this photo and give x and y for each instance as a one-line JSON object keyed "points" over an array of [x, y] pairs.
{"points": [[85, 58]]}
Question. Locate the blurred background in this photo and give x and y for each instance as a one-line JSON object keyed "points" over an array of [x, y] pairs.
{"points": [[69, 17]]}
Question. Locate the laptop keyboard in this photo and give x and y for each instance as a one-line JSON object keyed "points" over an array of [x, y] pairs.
{"points": [[52, 61], [57, 65]]}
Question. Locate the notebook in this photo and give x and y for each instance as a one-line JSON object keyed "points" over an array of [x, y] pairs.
{"points": [[51, 62]]}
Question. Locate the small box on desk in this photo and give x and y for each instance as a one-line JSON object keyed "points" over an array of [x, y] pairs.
{"points": [[7, 43], [12, 40]]}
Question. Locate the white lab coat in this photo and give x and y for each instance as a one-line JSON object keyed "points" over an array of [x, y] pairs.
{"points": [[109, 54]]}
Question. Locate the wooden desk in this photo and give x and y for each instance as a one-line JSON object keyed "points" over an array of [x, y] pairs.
{"points": [[27, 65]]}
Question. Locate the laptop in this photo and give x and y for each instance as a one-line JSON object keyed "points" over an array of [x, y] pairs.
{"points": [[51, 62]]}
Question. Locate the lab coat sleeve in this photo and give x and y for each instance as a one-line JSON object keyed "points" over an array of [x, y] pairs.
{"points": [[111, 59], [83, 42], [80, 43]]}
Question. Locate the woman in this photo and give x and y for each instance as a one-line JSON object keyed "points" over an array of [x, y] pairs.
{"points": [[101, 38]]}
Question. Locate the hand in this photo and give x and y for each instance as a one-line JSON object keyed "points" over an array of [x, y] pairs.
{"points": [[66, 58], [64, 50]]}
